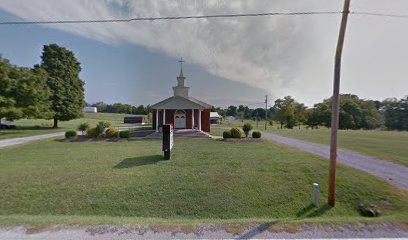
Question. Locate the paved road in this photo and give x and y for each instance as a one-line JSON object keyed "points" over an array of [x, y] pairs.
{"points": [[391, 172], [207, 231], [21, 140]]}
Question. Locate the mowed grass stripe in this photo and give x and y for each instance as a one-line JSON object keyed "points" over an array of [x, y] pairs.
{"points": [[205, 179], [386, 145], [30, 127]]}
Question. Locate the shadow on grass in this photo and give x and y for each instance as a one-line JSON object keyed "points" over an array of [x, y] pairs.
{"points": [[139, 161], [311, 211]]}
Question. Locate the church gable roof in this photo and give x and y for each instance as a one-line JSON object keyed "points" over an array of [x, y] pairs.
{"points": [[178, 102]]}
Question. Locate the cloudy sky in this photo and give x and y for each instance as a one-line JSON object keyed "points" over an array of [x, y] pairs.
{"points": [[228, 61]]}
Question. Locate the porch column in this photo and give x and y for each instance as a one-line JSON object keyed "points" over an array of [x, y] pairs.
{"points": [[199, 119], [164, 116], [157, 120], [192, 118]]}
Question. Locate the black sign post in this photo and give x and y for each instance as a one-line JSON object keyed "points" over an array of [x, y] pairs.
{"points": [[167, 140]]}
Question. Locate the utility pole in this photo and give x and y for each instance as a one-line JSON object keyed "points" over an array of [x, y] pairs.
{"points": [[257, 119], [335, 104], [266, 110]]}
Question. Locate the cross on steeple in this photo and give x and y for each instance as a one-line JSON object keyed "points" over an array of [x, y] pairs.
{"points": [[181, 66]]}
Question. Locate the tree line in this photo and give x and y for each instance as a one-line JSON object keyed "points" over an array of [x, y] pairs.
{"points": [[121, 108], [53, 90], [49, 90], [355, 113]]}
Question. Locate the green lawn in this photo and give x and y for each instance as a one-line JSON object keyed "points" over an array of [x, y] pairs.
{"points": [[29, 127], [387, 145], [206, 181]]}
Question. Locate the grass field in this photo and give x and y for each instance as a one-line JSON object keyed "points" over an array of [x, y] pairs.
{"points": [[29, 127], [387, 145], [206, 181]]}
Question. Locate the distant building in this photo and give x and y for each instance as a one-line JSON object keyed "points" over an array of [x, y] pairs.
{"points": [[90, 109], [134, 120], [181, 110], [230, 118], [215, 118]]}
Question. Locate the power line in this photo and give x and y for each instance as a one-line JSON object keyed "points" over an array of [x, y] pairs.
{"points": [[380, 14], [169, 18]]}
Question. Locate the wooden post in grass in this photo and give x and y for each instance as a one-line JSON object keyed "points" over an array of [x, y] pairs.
{"points": [[335, 105]]}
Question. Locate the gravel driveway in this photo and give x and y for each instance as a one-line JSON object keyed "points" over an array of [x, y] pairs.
{"points": [[209, 231], [394, 173], [21, 140]]}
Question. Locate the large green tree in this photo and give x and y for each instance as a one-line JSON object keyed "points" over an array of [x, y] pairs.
{"points": [[23, 92], [285, 112], [355, 113], [300, 113], [395, 113], [67, 89]]}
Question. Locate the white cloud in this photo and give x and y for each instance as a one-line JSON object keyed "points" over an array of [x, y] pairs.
{"points": [[284, 55]]}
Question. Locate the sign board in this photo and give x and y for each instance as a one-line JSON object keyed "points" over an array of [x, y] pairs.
{"points": [[167, 140]]}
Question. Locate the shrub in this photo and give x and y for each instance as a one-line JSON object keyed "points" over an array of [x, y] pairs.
{"points": [[83, 127], [246, 128], [226, 134], [124, 134], [70, 134], [256, 134], [235, 133], [100, 128], [92, 133], [111, 133]]}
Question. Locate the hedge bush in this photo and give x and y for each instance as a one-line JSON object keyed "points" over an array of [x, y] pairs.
{"points": [[256, 134], [226, 134], [100, 128], [83, 127], [70, 134], [247, 128], [111, 133], [235, 133], [124, 134], [92, 133]]}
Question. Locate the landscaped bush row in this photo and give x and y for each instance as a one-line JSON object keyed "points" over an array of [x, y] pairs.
{"points": [[103, 129], [256, 134], [70, 134], [236, 132]]}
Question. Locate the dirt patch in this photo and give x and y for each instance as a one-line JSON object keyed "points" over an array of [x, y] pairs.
{"points": [[39, 229], [235, 229], [404, 226], [289, 228]]}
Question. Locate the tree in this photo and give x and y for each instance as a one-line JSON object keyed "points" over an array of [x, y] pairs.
{"points": [[23, 92], [231, 111], [67, 89], [355, 113], [312, 118], [101, 106], [395, 113], [300, 113], [247, 128], [285, 112]]}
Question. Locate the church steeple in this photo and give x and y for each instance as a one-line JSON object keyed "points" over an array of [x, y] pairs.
{"points": [[180, 89], [181, 67], [181, 78]]}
